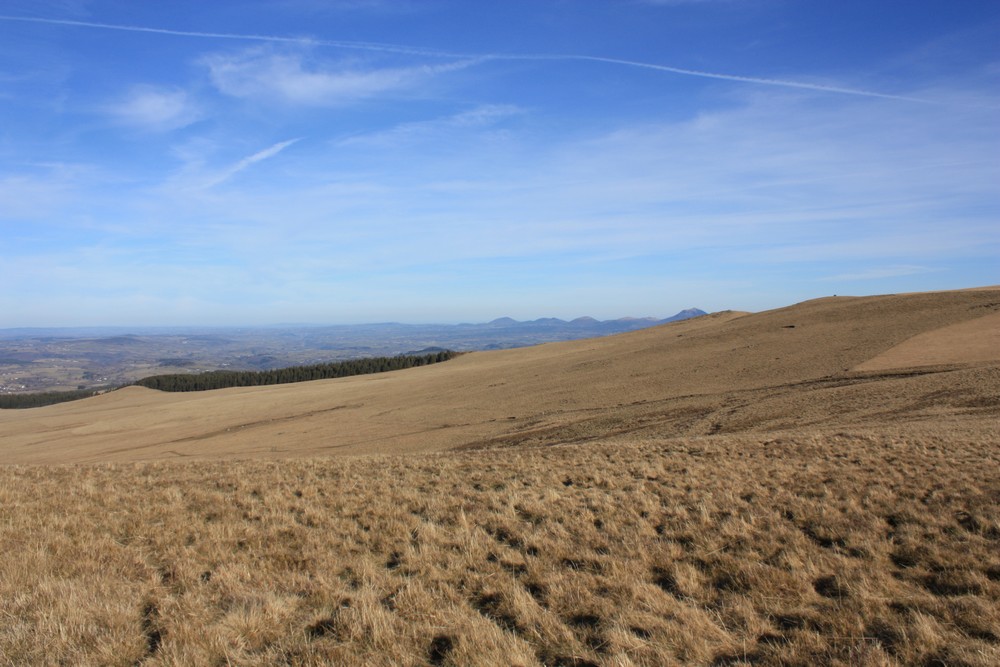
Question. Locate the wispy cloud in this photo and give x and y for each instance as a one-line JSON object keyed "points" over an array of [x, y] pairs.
{"points": [[744, 189], [247, 162], [465, 199], [477, 119], [289, 78], [155, 109], [365, 83], [486, 114]]}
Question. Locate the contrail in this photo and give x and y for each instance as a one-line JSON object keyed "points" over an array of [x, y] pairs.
{"points": [[248, 161], [343, 44], [431, 53], [750, 79]]}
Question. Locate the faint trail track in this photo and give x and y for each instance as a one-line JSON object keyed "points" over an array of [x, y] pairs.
{"points": [[262, 422]]}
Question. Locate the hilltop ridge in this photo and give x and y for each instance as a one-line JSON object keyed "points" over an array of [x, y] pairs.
{"points": [[816, 484], [721, 373]]}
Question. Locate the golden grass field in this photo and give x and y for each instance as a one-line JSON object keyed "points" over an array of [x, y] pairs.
{"points": [[818, 484]]}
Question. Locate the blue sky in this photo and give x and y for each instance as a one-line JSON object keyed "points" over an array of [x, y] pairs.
{"points": [[194, 163]]}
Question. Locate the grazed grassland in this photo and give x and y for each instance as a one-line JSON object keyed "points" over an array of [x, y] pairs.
{"points": [[723, 373], [814, 485], [840, 547]]}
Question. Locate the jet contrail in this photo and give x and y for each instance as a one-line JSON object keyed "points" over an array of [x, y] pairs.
{"points": [[751, 79], [412, 50], [342, 44], [248, 161]]}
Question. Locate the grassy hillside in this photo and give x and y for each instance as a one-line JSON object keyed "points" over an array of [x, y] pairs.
{"points": [[818, 484], [721, 373]]}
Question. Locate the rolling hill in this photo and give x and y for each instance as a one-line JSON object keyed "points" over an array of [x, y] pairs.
{"points": [[817, 484], [832, 361]]}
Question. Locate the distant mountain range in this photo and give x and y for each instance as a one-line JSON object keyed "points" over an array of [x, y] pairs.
{"points": [[86, 358], [501, 333], [119, 335], [591, 325], [505, 332]]}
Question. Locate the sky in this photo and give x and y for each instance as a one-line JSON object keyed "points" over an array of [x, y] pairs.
{"points": [[349, 161]]}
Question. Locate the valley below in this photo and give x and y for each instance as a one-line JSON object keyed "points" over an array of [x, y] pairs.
{"points": [[100, 358]]}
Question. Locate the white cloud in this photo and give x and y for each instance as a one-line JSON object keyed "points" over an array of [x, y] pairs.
{"points": [[289, 78], [486, 114], [156, 109], [779, 181], [865, 188], [480, 118]]}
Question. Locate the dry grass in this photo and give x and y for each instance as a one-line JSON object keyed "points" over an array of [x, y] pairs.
{"points": [[702, 376], [848, 548], [737, 489]]}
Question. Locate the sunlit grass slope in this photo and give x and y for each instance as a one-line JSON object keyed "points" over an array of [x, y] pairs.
{"points": [[728, 372], [815, 485]]}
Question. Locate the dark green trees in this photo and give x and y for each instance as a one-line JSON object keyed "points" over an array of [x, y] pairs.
{"points": [[223, 379]]}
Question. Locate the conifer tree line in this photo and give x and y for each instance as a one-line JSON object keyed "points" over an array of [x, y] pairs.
{"points": [[37, 400], [223, 379]]}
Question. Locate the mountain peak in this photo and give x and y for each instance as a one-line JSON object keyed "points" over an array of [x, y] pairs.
{"points": [[686, 314]]}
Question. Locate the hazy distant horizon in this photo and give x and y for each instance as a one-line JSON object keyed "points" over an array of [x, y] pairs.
{"points": [[227, 164], [310, 325]]}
